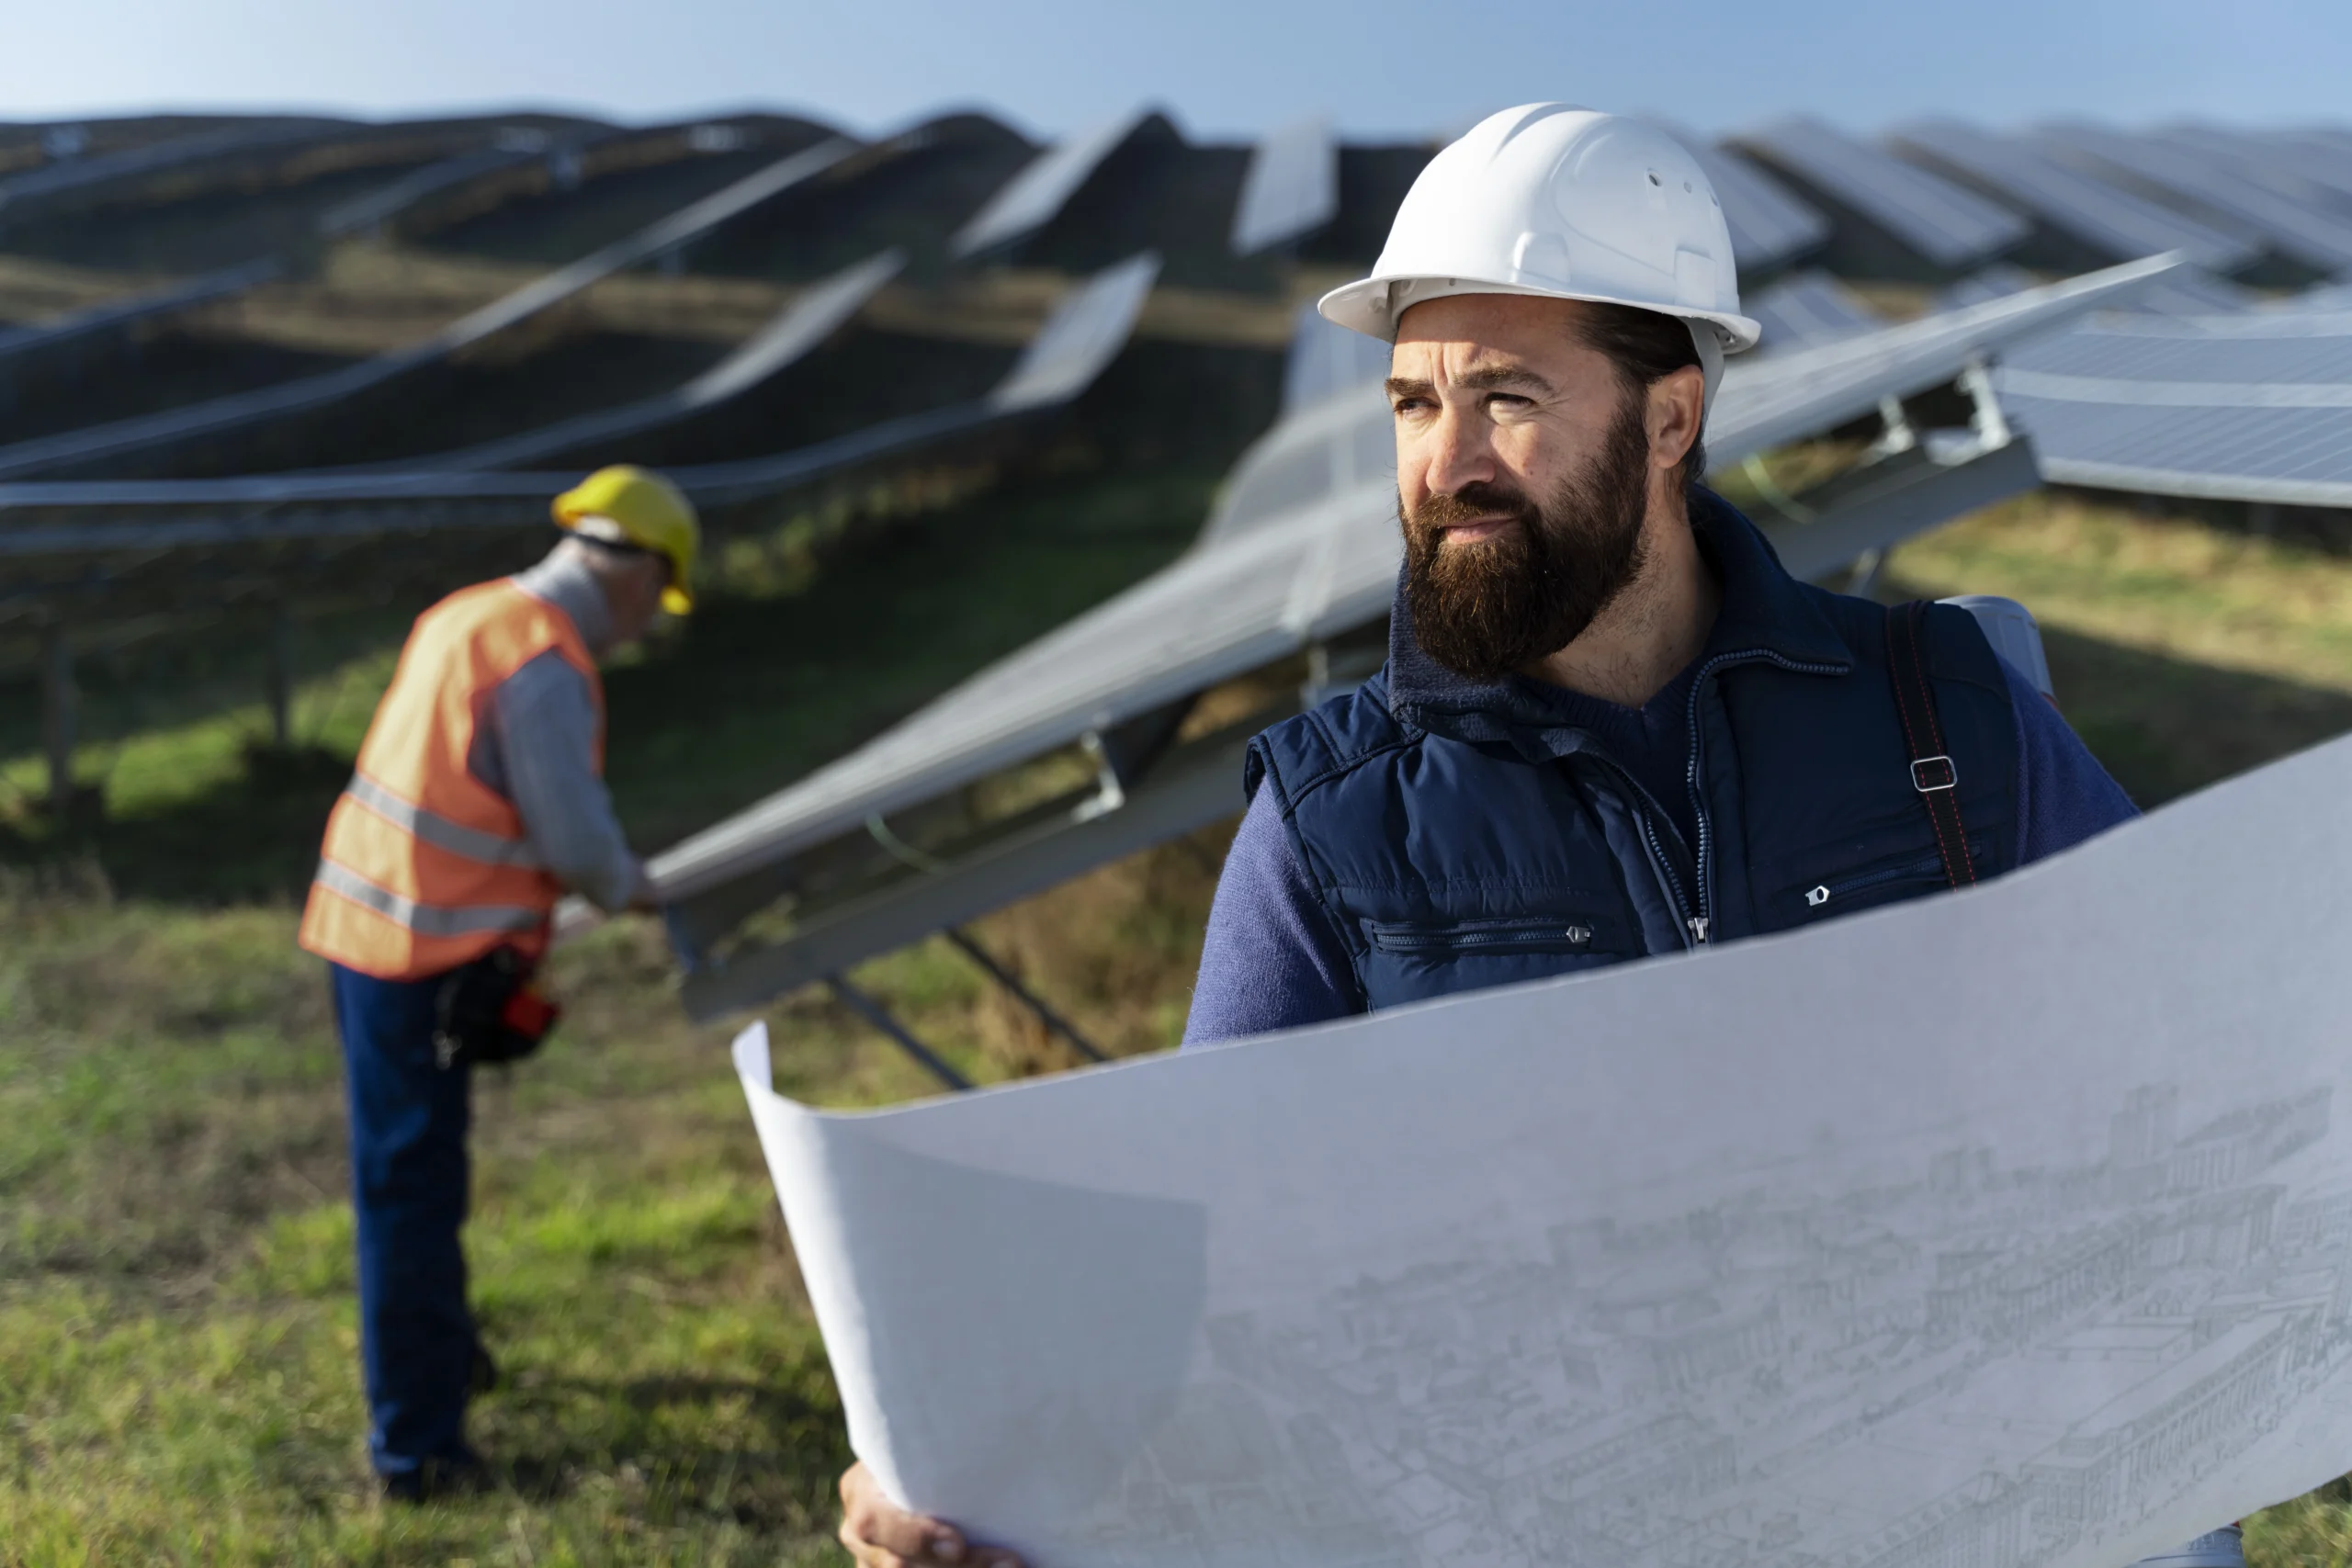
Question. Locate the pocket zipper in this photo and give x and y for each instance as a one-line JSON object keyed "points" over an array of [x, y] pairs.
{"points": [[1570, 935], [1814, 898]]}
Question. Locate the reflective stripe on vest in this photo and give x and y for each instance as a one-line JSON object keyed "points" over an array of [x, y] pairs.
{"points": [[425, 920], [491, 848], [425, 866]]}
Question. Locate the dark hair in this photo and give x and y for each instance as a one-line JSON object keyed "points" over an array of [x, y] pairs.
{"points": [[1645, 347]]}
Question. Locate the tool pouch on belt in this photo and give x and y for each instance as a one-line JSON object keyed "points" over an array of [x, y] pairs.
{"points": [[488, 1011]]}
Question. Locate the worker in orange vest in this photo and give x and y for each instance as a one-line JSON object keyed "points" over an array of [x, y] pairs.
{"points": [[478, 801]]}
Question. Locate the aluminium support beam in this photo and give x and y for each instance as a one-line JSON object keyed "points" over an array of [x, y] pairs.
{"points": [[1195, 784], [874, 1013], [1045, 1015]]}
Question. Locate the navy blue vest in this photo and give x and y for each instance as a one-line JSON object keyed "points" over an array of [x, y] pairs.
{"points": [[1459, 838]]}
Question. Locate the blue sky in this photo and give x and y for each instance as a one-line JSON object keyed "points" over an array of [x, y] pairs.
{"points": [[1224, 66]]}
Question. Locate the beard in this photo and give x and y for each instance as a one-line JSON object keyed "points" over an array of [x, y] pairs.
{"points": [[1486, 607]]}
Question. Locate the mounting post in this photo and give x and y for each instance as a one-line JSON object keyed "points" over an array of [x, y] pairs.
{"points": [[280, 676], [56, 715], [1045, 1015], [877, 1015]]}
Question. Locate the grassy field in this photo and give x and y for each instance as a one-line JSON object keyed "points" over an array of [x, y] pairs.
{"points": [[178, 1345]]}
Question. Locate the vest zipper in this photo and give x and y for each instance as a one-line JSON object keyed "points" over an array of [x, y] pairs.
{"points": [[1704, 851], [1695, 927]]}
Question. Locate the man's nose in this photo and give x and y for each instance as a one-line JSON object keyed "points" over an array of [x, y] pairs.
{"points": [[1458, 452]]}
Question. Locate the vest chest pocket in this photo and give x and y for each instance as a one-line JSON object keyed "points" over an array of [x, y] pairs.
{"points": [[1889, 880], [1494, 938]]}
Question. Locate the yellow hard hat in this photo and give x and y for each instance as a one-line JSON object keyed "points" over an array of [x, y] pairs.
{"points": [[651, 512]]}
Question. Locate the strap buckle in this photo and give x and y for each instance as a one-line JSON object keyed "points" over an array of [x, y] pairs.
{"points": [[1942, 774]]}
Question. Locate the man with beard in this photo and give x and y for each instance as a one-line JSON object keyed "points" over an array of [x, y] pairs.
{"points": [[1609, 725]]}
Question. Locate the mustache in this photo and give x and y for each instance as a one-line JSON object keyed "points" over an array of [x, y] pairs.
{"points": [[1473, 501]]}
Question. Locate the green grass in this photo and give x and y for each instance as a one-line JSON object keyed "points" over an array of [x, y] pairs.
{"points": [[178, 1377]]}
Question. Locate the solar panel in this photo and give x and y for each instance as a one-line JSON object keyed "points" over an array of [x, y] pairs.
{"points": [[1031, 198], [122, 437], [151, 305], [1945, 223], [2113, 223], [1809, 308], [2250, 407], [812, 316], [2293, 169], [1769, 225], [2323, 154], [1077, 340], [2294, 228], [512, 149], [83, 174], [1291, 188], [1326, 357], [1254, 592]]}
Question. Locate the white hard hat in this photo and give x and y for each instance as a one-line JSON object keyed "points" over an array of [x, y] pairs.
{"points": [[1564, 203]]}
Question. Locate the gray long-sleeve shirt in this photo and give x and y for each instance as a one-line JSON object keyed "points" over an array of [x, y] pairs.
{"points": [[537, 747]]}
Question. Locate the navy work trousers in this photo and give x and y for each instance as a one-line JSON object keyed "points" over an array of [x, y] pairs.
{"points": [[409, 1173]]}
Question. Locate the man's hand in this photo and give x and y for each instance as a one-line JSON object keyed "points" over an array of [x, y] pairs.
{"points": [[880, 1534]]}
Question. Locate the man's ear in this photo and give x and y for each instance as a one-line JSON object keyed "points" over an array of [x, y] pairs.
{"points": [[1677, 408]]}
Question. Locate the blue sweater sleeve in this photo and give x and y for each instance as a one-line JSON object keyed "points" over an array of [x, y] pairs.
{"points": [[1272, 959], [2063, 796]]}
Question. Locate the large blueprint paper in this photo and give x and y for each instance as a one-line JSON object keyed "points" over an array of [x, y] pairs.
{"points": [[2007, 1227]]}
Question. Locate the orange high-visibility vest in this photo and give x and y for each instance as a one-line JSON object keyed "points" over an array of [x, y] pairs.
{"points": [[425, 866]]}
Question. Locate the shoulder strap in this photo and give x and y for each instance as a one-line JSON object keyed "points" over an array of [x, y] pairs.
{"points": [[1933, 772]]}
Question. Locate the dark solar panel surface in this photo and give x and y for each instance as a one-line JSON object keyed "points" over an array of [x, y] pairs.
{"points": [[2114, 223], [1940, 220]]}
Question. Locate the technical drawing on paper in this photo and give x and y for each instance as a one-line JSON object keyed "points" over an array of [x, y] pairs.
{"points": [[1729, 1384]]}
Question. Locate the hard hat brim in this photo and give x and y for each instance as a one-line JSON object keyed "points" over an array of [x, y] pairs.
{"points": [[1363, 306]]}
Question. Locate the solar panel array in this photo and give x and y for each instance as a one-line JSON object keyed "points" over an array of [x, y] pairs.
{"points": [[2251, 407], [81, 177], [81, 449], [1078, 339], [2110, 221], [1943, 221], [2303, 234], [1276, 571]]}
